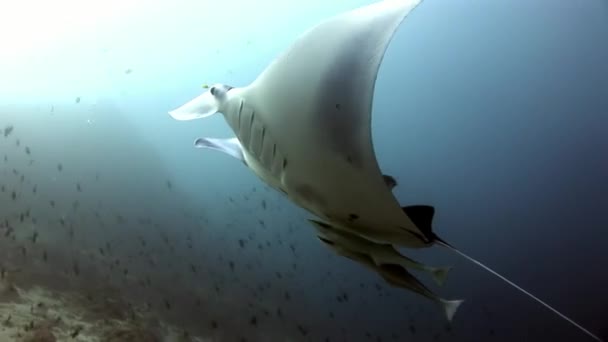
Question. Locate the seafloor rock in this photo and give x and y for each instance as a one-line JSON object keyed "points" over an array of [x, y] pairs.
{"points": [[8, 292], [134, 334], [40, 334]]}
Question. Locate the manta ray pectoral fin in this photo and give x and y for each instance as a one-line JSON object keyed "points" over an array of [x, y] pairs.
{"points": [[200, 107], [230, 146]]}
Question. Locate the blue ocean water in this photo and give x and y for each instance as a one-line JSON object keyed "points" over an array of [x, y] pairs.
{"points": [[495, 113]]}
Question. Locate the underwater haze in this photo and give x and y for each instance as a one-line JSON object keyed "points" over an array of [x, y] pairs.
{"points": [[113, 227]]}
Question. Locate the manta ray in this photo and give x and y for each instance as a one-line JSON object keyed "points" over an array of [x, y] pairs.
{"points": [[303, 126]]}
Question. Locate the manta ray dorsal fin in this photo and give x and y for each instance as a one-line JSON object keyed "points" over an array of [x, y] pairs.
{"points": [[390, 181], [422, 217], [230, 146]]}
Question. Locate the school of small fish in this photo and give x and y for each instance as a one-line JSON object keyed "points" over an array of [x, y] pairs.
{"points": [[131, 266]]}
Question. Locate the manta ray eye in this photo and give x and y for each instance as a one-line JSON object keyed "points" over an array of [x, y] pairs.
{"points": [[219, 90]]}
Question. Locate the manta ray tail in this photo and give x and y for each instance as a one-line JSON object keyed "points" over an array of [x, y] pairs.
{"points": [[422, 217], [445, 244]]}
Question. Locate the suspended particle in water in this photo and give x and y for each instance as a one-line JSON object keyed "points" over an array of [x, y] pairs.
{"points": [[76, 268]]}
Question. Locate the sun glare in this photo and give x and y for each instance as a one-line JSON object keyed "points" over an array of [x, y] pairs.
{"points": [[29, 26]]}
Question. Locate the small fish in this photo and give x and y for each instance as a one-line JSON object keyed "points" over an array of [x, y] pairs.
{"points": [[128, 71], [77, 100], [8, 130]]}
